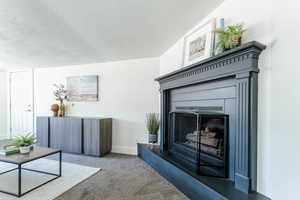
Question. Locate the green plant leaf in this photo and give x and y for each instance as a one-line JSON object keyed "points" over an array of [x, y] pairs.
{"points": [[152, 123], [229, 37], [26, 140]]}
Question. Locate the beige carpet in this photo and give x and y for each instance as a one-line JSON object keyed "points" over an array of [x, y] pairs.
{"points": [[122, 178], [72, 174]]}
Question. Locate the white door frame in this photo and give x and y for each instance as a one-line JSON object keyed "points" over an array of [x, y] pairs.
{"points": [[9, 99]]}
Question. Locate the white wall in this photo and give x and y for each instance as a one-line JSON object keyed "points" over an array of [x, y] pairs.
{"points": [[276, 24], [3, 104], [127, 92]]}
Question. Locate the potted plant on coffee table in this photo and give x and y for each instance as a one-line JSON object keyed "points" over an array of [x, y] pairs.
{"points": [[25, 143], [152, 122]]}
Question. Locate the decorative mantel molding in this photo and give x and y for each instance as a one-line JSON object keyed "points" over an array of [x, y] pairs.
{"points": [[243, 59], [241, 66]]}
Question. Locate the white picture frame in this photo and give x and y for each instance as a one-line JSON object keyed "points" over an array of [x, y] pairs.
{"points": [[199, 44], [83, 88]]}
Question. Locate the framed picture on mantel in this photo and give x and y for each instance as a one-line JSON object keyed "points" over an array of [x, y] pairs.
{"points": [[199, 44]]}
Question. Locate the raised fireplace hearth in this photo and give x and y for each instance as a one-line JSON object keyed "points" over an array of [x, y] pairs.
{"points": [[209, 122]]}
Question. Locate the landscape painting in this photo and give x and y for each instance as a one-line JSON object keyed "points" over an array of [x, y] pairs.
{"points": [[197, 47], [82, 88]]}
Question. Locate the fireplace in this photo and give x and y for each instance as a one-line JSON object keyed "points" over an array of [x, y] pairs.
{"points": [[209, 116], [198, 141], [208, 135]]}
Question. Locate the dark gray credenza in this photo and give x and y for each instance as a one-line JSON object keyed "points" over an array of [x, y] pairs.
{"points": [[90, 136]]}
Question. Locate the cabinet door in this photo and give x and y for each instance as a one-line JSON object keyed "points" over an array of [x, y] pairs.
{"points": [[66, 134], [106, 136], [56, 133], [42, 131], [73, 135], [91, 129]]}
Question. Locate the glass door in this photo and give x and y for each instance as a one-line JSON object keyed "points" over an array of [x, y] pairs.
{"points": [[185, 129], [213, 142]]}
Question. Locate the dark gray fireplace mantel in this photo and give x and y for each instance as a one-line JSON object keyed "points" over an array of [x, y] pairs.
{"points": [[240, 66], [238, 61]]}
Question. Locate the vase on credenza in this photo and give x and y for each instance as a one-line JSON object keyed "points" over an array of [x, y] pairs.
{"points": [[60, 94], [62, 109], [55, 109]]}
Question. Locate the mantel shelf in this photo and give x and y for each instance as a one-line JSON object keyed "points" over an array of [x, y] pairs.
{"points": [[237, 62]]}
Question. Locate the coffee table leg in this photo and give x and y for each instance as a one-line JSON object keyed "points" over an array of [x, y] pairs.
{"points": [[19, 171], [60, 158], [19, 180]]}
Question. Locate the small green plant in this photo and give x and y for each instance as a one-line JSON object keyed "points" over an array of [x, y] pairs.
{"points": [[152, 123], [230, 37], [25, 141]]}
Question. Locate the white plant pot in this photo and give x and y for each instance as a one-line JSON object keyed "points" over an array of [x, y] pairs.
{"points": [[24, 150]]}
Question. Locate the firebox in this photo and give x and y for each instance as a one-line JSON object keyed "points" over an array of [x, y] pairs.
{"points": [[198, 141]]}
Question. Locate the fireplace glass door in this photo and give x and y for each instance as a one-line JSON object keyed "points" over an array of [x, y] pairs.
{"points": [[201, 139], [186, 129], [213, 139]]}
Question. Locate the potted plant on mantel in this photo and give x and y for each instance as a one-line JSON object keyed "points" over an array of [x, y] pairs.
{"points": [[230, 37], [25, 143], [152, 123]]}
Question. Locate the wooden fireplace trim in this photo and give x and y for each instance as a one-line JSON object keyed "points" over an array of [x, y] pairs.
{"points": [[240, 64]]}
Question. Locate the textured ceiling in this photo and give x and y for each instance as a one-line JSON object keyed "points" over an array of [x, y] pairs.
{"points": [[66, 32]]}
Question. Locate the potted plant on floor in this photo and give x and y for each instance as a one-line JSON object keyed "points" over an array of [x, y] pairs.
{"points": [[152, 122], [25, 143]]}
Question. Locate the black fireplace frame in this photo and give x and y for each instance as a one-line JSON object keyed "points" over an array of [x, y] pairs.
{"points": [[240, 65]]}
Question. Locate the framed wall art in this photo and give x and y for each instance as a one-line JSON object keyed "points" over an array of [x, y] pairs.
{"points": [[82, 88], [199, 44]]}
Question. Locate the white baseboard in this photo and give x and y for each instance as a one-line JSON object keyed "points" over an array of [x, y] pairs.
{"points": [[2, 137], [124, 150]]}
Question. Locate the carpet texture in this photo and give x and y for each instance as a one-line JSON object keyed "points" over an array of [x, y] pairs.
{"points": [[122, 178], [72, 174]]}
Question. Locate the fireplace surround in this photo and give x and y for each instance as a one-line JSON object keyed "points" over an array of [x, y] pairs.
{"points": [[227, 82], [209, 126]]}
